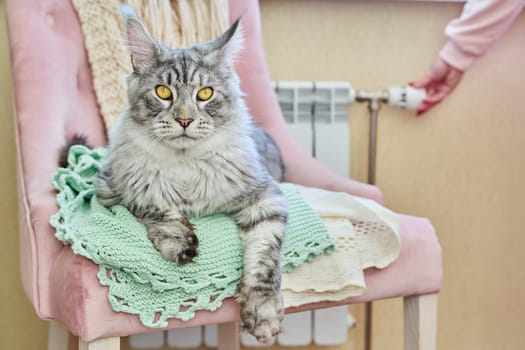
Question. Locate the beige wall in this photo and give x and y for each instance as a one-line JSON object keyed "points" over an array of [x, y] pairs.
{"points": [[461, 165]]}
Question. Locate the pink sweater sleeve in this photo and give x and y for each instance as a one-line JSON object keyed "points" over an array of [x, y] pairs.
{"points": [[481, 23]]}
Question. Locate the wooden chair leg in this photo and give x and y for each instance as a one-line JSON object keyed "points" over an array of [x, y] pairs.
{"points": [[229, 336], [60, 339], [420, 313], [101, 344]]}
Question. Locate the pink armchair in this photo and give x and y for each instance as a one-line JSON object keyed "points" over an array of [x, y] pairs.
{"points": [[54, 99]]}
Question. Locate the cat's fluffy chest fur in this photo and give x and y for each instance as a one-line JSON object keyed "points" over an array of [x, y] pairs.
{"points": [[199, 181]]}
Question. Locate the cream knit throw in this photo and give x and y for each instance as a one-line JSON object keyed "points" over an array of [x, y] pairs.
{"points": [[365, 234]]}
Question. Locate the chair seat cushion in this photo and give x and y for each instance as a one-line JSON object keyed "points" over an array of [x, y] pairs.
{"points": [[81, 303]]}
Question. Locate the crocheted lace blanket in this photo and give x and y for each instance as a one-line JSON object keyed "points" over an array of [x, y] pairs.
{"points": [[140, 280]]}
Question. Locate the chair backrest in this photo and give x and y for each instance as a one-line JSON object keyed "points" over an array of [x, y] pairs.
{"points": [[54, 99]]}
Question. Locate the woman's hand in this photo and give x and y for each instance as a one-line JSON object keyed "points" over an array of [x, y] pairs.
{"points": [[439, 83]]}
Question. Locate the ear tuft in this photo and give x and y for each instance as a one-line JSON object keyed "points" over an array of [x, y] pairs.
{"points": [[234, 40], [226, 47], [143, 49]]}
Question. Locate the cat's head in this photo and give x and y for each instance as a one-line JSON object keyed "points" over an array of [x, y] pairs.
{"points": [[184, 96]]}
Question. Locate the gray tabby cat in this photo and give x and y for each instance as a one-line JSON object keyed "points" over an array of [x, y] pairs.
{"points": [[186, 146]]}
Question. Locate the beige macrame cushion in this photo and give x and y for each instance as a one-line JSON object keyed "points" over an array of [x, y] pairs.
{"points": [[176, 23], [365, 234]]}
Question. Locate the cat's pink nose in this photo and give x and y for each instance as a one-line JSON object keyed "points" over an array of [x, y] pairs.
{"points": [[184, 122]]}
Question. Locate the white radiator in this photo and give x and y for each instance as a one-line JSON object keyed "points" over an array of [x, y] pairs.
{"points": [[317, 116]]}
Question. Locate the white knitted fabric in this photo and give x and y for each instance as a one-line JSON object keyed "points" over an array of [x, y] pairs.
{"points": [[365, 234]]}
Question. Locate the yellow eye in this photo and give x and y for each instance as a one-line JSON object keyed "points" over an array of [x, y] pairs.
{"points": [[205, 94], [163, 92]]}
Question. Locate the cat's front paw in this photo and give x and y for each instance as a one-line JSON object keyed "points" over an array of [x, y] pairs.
{"points": [[175, 242], [262, 315]]}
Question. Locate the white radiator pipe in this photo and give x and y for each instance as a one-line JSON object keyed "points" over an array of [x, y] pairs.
{"points": [[398, 96]]}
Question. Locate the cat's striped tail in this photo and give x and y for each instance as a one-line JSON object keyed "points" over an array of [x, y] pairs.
{"points": [[77, 139]]}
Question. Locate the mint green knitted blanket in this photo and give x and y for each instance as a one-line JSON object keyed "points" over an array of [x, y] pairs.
{"points": [[139, 280]]}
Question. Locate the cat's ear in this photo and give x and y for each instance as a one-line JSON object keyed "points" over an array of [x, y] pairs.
{"points": [[143, 48], [226, 47]]}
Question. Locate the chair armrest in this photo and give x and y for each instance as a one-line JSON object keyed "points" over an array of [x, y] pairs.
{"points": [[53, 98]]}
